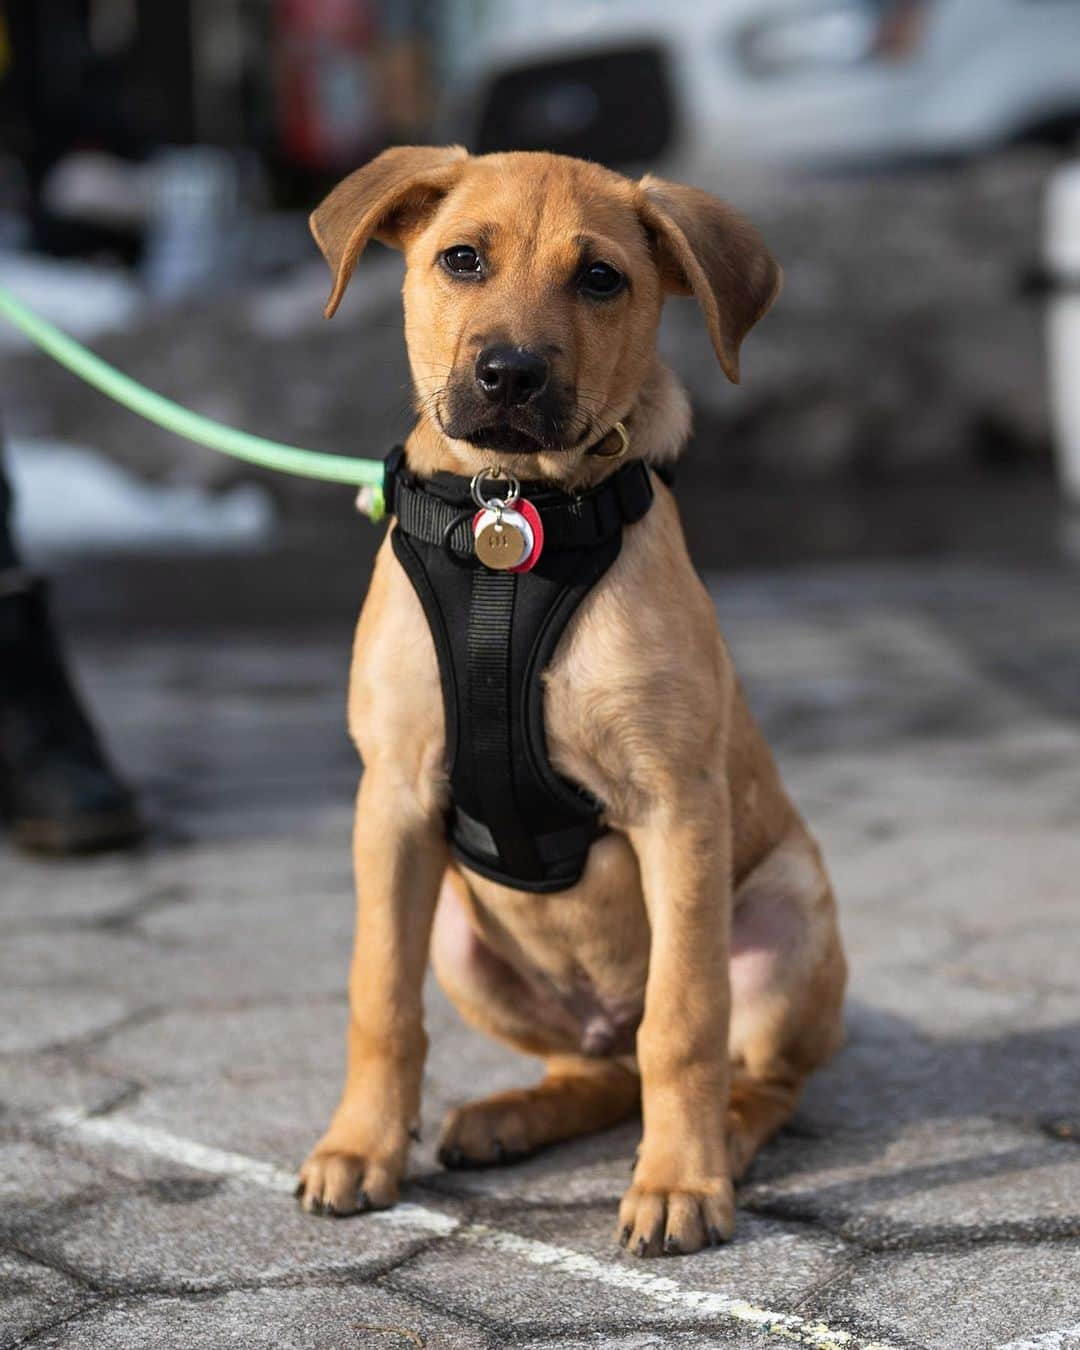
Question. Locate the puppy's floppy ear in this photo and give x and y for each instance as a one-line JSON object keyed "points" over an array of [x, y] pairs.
{"points": [[381, 201], [706, 249]]}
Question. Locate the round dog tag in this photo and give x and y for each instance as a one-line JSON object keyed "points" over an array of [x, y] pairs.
{"points": [[502, 539]]}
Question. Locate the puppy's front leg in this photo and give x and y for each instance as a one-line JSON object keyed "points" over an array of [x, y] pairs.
{"points": [[681, 1198], [399, 854]]}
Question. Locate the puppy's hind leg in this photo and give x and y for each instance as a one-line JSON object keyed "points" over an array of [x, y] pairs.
{"points": [[576, 1096], [787, 976]]}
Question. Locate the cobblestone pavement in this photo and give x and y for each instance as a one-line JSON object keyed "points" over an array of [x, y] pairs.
{"points": [[172, 1024]]}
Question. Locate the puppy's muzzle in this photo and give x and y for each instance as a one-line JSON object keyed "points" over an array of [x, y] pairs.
{"points": [[510, 376]]}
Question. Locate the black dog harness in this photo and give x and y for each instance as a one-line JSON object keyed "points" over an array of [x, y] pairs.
{"points": [[513, 818]]}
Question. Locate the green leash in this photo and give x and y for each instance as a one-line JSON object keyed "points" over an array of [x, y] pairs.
{"points": [[367, 473]]}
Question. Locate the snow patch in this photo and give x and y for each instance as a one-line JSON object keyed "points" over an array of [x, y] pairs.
{"points": [[70, 499], [82, 299]]}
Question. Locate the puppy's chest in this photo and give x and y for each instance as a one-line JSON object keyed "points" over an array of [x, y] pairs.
{"points": [[623, 706], [590, 730]]}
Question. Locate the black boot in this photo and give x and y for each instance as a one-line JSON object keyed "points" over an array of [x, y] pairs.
{"points": [[57, 790]]}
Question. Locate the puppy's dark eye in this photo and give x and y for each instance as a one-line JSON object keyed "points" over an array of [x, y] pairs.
{"points": [[601, 279], [462, 259]]}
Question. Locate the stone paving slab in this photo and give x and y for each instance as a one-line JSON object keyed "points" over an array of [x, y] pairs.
{"points": [[326, 1318], [134, 892], [287, 1038], [32, 1084], [187, 1234], [35, 1179], [891, 1073], [263, 1077], [647, 1340], [824, 683], [274, 1120], [35, 1020], [962, 1181], [768, 1263], [977, 1300], [141, 967], [961, 871], [66, 893], [33, 1296]]}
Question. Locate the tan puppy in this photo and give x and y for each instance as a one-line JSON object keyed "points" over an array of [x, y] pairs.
{"points": [[695, 971]]}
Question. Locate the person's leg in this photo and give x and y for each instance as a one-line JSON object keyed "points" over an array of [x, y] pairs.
{"points": [[58, 793], [8, 557]]}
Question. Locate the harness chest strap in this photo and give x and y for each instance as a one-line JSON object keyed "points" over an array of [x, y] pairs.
{"points": [[513, 817]]}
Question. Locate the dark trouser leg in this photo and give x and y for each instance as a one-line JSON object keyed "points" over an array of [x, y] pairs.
{"points": [[8, 557], [58, 793]]}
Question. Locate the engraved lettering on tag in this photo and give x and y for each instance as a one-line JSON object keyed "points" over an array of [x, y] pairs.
{"points": [[501, 545]]}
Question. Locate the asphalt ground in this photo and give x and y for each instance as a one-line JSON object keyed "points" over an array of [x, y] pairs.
{"points": [[171, 1034]]}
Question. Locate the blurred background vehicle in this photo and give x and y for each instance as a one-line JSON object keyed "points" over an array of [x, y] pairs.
{"points": [[806, 82]]}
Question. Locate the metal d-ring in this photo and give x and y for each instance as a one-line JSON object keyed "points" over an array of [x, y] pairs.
{"points": [[496, 504], [621, 449], [462, 560]]}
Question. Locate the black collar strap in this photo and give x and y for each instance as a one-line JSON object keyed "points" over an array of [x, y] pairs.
{"points": [[439, 510]]}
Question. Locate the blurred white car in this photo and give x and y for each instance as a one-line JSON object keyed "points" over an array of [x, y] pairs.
{"points": [[813, 81]]}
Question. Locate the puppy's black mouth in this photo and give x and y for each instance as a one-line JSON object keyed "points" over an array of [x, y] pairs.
{"points": [[545, 424], [510, 440]]}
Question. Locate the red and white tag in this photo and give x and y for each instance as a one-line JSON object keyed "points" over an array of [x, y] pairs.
{"points": [[508, 538]]}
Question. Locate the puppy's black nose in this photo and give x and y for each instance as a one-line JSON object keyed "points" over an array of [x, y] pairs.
{"points": [[510, 375]]}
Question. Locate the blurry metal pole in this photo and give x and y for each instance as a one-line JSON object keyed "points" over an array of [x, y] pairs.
{"points": [[1062, 246]]}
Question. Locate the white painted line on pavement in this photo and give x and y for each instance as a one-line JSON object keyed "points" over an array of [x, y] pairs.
{"points": [[147, 1139], [1065, 1339], [558, 1260], [220, 1162], [665, 1291]]}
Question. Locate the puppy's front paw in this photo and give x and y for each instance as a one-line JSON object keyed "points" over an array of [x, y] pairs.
{"points": [[676, 1220], [338, 1180]]}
